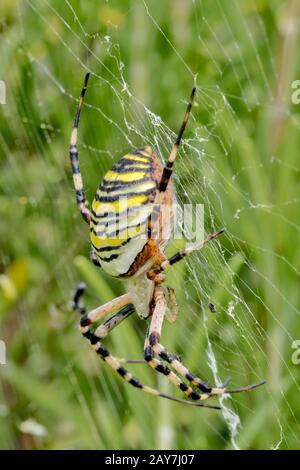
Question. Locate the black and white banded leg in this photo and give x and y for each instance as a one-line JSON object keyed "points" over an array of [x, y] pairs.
{"points": [[153, 335], [168, 169], [155, 347], [182, 254], [74, 158], [95, 337]]}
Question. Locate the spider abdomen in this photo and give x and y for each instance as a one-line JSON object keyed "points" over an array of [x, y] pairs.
{"points": [[120, 212]]}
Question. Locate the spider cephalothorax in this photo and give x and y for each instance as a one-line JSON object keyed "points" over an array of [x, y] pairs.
{"points": [[129, 233]]}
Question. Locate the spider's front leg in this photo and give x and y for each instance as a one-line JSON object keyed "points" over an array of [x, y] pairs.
{"points": [[74, 159]]}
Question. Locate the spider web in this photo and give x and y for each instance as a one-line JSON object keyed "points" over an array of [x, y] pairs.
{"points": [[228, 161]]}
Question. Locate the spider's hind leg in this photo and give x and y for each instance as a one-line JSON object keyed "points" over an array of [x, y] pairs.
{"points": [[153, 346], [152, 340], [181, 369], [96, 336]]}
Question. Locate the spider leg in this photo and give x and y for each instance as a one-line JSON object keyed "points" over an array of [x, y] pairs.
{"points": [[153, 345], [78, 306], [208, 391], [95, 338], [152, 273], [168, 169], [74, 159], [96, 314]]}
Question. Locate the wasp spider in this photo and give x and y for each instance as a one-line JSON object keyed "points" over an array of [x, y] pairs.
{"points": [[135, 252]]}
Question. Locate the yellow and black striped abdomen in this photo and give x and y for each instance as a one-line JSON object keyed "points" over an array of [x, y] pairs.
{"points": [[120, 211]]}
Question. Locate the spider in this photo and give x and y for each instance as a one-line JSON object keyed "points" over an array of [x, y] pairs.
{"points": [[134, 252]]}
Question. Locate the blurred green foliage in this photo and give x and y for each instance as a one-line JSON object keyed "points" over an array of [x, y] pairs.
{"points": [[242, 163]]}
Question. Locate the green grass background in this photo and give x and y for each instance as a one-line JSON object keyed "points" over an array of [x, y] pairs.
{"points": [[240, 158]]}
